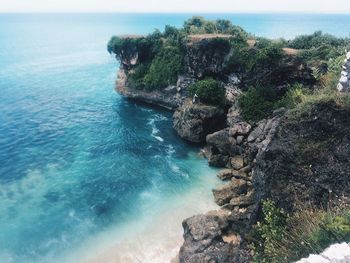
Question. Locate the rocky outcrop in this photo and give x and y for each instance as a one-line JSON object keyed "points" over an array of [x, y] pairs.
{"points": [[194, 121], [207, 56], [344, 81], [308, 160], [206, 240], [171, 97]]}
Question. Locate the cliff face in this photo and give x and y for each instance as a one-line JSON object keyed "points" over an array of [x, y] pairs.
{"points": [[308, 159], [289, 160], [293, 161], [170, 98]]}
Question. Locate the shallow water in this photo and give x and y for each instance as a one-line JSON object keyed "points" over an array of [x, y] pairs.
{"points": [[84, 173]]}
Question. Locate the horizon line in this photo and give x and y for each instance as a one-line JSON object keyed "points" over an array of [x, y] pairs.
{"points": [[176, 13]]}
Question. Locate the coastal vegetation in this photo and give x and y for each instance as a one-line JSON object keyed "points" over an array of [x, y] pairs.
{"points": [[209, 91], [270, 112], [271, 73], [280, 237]]}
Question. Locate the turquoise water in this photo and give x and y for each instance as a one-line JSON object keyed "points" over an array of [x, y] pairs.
{"points": [[78, 162]]}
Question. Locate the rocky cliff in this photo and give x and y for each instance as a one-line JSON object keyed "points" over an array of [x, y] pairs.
{"points": [[286, 157]]}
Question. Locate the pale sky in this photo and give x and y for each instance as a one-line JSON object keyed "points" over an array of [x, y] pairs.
{"points": [[171, 6]]}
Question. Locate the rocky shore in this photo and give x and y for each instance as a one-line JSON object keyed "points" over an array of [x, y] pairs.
{"points": [[286, 158]]}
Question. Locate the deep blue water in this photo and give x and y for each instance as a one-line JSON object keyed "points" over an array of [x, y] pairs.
{"points": [[76, 159]]}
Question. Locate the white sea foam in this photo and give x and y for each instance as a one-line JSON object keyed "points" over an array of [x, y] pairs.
{"points": [[155, 130]]}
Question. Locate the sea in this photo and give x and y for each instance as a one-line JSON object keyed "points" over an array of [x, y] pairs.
{"points": [[85, 174]]}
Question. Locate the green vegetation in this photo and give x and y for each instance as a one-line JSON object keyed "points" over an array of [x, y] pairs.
{"points": [[164, 69], [269, 76], [198, 25], [280, 237], [209, 91]]}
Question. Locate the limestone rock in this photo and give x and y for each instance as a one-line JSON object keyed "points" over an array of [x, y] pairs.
{"points": [[237, 162], [203, 242], [193, 122]]}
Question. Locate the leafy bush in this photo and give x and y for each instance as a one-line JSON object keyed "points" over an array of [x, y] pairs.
{"points": [[164, 69], [269, 232], [198, 25], [145, 48], [315, 40], [292, 98], [136, 76], [208, 91], [255, 105], [286, 238]]}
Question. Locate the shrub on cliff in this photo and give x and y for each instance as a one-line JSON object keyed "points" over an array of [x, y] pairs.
{"points": [[255, 104], [199, 25], [256, 65], [143, 48], [209, 91], [279, 237], [315, 40], [164, 69]]}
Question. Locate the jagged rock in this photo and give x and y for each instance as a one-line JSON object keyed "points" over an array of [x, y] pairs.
{"points": [[228, 174], [241, 218], [223, 142], [203, 58], [168, 98], [193, 122], [307, 161], [225, 193], [218, 160], [240, 128], [257, 132], [239, 140], [233, 116], [203, 242], [243, 200], [237, 162]]}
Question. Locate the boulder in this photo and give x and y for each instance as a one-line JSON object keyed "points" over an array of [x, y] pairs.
{"points": [[237, 162], [218, 160], [203, 242], [225, 193], [193, 122], [228, 174], [223, 142]]}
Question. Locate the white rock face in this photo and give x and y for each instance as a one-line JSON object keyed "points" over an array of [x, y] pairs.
{"points": [[337, 253], [344, 81]]}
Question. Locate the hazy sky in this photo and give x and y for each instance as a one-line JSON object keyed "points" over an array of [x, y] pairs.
{"points": [[198, 6]]}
